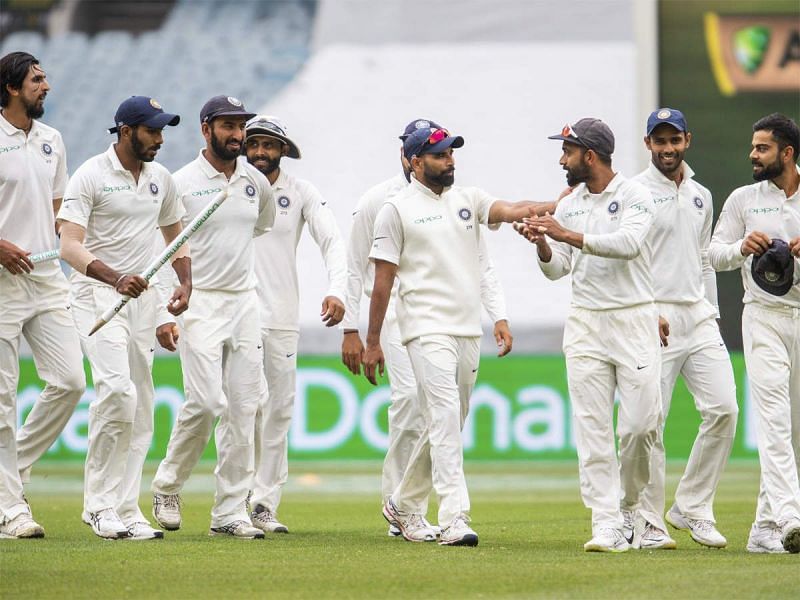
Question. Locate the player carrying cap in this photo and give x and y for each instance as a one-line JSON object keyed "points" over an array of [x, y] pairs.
{"points": [[221, 343], [611, 335], [428, 236], [759, 231], [297, 203], [34, 301], [113, 204], [685, 288], [406, 422]]}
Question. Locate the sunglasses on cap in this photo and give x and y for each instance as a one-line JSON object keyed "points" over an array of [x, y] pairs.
{"points": [[437, 135]]}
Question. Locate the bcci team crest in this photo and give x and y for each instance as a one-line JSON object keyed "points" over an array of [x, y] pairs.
{"points": [[154, 103], [47, 149], [284, 202], [613, 208], [234, 101], [698, 202], [664, 114], [250, 190], [422, 124], [465, 214], [153, 188]]}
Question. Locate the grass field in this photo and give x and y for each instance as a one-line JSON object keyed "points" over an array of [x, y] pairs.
{"points": [[529, 517]]}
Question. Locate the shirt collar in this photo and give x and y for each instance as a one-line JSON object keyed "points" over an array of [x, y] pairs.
{"points": [[416, 185], [281, 182], [688, 173], [583, 189], [111, 154], [10, 129], [769, 186], [211, 172]]}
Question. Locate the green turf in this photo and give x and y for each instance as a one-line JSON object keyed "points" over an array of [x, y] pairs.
{"points": [[530, 546]]}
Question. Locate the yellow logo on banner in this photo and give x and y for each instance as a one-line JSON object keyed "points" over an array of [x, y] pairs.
{"points": [[754, 53]]}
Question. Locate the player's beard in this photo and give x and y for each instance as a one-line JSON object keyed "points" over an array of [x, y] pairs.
{"points": [[576, 175], [444, 179], [770, 171], [668, 170], [271, 165], [221, 150], [34, 110], [139, 149]]}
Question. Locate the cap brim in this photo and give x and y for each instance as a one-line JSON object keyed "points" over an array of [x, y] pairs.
{"points": [[158, 121], [779, 287], [566, 138], [664, 122], [294, 151], [230, 113], [455, 141]]}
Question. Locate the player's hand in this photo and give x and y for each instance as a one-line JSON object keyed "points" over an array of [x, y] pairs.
{"points": [[663, 330], [14, 258], [332, 311], [179, 301], [373, 363], [352, 352], [167, 336], [546, 224], [503, 337], [755, 243], [794, 246], [131, 285]]}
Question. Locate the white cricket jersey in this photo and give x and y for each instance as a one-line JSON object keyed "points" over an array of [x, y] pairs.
{"points": [[33, 172], [679, 238], [297, 203], [222, 249], [434, 241], [613, 268], [763, 207], [120, 216]]}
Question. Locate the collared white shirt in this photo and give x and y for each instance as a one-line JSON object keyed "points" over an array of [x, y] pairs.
{"points": [[613, 268], [297, 203], [33, 172], [679, 238], [222, 249], [120, 215], [763, 207], [361, 270], [435, 242]]}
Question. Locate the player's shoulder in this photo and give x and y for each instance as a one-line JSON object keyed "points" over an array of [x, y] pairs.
{"points": [[93, 166], [160, 171], [633, 189], [48, 131], [744, 193], [255, 176], [306, 189], [380, 191]]}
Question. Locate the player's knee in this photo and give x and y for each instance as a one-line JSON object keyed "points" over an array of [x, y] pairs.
{"points": [[721, 419], [71, 388]]}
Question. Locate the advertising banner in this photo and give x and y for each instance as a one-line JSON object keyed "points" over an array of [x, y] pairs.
{"points": [[520, 411]]}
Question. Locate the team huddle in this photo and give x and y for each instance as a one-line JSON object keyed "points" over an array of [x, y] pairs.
{"points": [[640, 251]]}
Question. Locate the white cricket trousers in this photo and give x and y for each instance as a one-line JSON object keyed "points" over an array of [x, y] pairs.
{"points": [[607, 350], [445, 368], [121, 414], [39, 310], [771, 339], [221, 358], [696, 351]]}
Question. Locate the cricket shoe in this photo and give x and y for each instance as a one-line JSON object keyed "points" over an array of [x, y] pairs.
{"points": [[790, 536], [459, 533], [654, 538], [703, 531], [266, 520], [607, 540], [167, 511], [239, 529], [141, 530], [21, 527], [765, 539], [411, 525], [106, 524], [394, 531], [435, 528], [628, 524]]}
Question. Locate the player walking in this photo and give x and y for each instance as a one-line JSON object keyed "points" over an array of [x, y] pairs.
{"points": [[113, 204], [756, 220], [611, 335], [221, 347], [685, 288], [33, 298]]}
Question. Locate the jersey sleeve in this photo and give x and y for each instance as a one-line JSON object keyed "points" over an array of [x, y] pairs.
{"points": [[725, 249], [171, 206], [387, 242], [79, 197], [492, 296], [323, 228], [626, 242], [709, 275], [60, 179], [560, 263], [266, 207]]}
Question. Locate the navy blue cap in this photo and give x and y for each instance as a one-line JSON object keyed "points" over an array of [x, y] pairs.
{"points": [[773, 271], [670, 116], [223, 106], [418, 124], [418, 143], [142, 110]]}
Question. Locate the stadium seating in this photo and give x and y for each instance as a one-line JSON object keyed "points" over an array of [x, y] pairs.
{"points": [[248, 49]]}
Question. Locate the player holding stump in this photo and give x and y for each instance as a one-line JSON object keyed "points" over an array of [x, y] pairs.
{"points": [[685, 288], [113, 204], [34, 299], [759, 222]]}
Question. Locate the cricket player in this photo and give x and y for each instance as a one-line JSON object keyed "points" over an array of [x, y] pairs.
{"points": [[297, 204], [428, 237], [611, 334], [685, 289], [406, 422], [113, 204], [221, 344], [755, 220], [33, 298]]}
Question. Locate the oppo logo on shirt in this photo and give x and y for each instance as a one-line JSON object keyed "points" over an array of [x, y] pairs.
{"points": [[9, 149], [662, 200], [431, 219], [575, 213], [207, 192], [115, 188], [763, 211]]}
